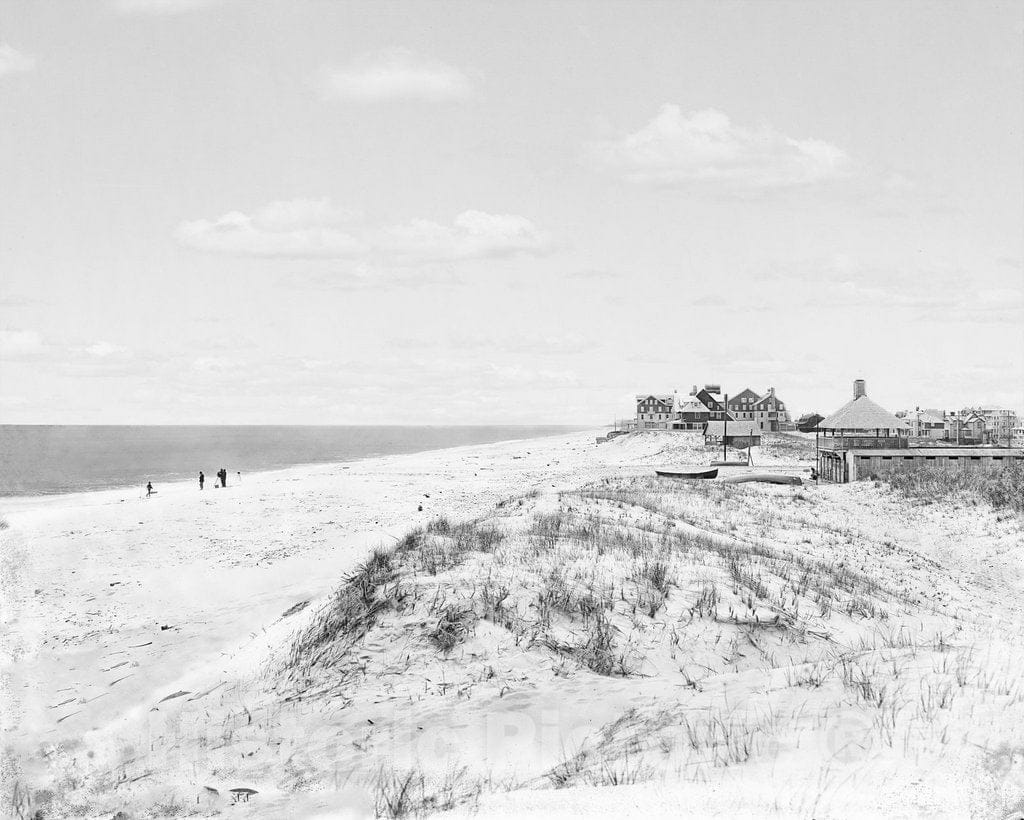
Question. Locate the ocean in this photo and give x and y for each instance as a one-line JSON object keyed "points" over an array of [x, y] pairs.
{"points": [[45, 459]]}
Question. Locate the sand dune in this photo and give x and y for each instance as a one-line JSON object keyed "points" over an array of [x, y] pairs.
{"points": [[732, 647]]}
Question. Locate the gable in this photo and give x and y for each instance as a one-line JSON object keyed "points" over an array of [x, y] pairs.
{"points": [[744, 397]]}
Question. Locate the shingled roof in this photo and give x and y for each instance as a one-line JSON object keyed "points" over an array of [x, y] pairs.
{"points": [[862, 414]]}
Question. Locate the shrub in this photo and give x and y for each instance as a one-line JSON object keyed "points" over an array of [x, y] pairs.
{"points": [[1002, 488]]}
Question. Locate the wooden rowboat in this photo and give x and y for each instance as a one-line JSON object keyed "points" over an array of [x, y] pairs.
{"points": [[688, 472], [767, 478]]}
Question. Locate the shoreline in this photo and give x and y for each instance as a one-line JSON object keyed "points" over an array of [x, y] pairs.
{"points": [[97, 585], [40, 499], [180, 477]]}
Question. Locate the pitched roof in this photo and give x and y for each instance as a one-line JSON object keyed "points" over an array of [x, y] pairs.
{"points": [[744, 393], [736, 428], [925, 417], [862, 414], [664, 397], [693, 407]]}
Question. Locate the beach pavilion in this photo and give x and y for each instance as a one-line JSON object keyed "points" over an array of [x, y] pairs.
{"points": [[859, 424]]}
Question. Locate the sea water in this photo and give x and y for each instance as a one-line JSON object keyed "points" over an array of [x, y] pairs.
{"points": [[44, 459]]}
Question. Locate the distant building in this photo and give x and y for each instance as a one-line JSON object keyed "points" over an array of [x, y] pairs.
{"points": [[808, 422], [999, 423], [965, 427], [734, 433], [691, 415], [655, 411], [770, 413], [925, 424], [741, 406], [710, 397]]}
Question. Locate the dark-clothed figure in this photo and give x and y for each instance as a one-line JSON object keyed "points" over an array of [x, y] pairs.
{"points": [[202, 479], [149, 489], [223, 477]]}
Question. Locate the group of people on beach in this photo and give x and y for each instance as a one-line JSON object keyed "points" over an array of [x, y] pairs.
{"points": [[222, 481], [222, 477]]}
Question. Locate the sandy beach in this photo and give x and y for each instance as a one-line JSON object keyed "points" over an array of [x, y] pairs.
{"points": [[138, 634], [151, 588]]}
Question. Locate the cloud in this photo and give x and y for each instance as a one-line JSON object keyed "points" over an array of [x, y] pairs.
{"points": [[105, 350], [678, 149], [473, 235], [315, 228], [13, 61], [295, 228], [17, 344], [396, 74], [160, 7]]}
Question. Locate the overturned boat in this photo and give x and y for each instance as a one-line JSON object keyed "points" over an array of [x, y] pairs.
{"points": [[765, 478], [688, 472]]}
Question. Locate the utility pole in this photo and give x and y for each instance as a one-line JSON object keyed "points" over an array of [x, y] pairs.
{"points": [[725, 427]]}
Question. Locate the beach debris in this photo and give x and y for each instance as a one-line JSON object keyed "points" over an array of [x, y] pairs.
{"points": [[301, 605], [207, 692], [242, 795], [175, 695]]}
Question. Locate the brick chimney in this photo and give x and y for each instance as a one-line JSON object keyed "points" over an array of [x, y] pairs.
{"points": [[859, 389]]}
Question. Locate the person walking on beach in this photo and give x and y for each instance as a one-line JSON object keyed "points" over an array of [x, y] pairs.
{"points": [[223, 477], [149, 489], [202, 479]]}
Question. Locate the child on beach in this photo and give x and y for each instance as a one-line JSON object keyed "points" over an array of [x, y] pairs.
{"points": [[202, 479], [149, 489]]}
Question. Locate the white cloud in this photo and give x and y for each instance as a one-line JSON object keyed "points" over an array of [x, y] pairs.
{"points": [[13, 61], [315, 228], [678, 148], [19, 343], [397, 74], [295, 228], [158, 7], [104, 350], [473, 235]]}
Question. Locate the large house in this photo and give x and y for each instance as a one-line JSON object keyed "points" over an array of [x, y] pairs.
{"points": [[768, 412], [656, 411], [692, 415], [665, 411], [741, 406], [710, 397]]}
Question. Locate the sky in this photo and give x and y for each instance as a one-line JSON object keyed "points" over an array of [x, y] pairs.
{"points": [[216, 211]]}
